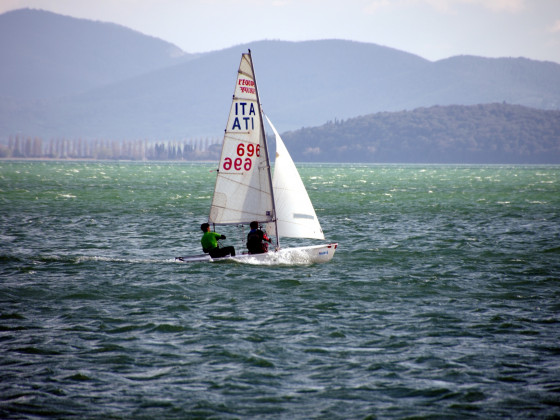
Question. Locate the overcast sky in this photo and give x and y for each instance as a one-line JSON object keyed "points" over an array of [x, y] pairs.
{"points": [[433, 29]]}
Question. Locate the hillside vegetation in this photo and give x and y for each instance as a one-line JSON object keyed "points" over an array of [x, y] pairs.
{"points": [[492, 133]]}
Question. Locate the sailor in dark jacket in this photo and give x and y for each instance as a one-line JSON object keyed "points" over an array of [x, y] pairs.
{"points": [[256, 240]]}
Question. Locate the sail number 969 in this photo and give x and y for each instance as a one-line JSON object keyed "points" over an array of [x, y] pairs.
{"points": [[247, 151]]}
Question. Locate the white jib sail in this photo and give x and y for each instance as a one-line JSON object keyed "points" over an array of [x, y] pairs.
{"points": [[295, 213], [242, 191]]}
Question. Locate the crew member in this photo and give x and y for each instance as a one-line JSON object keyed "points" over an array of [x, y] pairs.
{"points": [[210, 246], [257, 240]]}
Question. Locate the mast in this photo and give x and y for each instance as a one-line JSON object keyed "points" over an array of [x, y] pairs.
{"points": [[266, 152]]}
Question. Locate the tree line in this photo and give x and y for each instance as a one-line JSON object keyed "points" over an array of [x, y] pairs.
{"points": [[488, 133], [61, 148]]}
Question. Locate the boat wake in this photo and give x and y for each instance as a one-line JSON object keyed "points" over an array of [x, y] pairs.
{"points": [[38, 260], [276, 258], [85, 259]]}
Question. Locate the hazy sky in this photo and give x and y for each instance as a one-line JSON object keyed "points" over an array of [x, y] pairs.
{"points": [[432, 29]]}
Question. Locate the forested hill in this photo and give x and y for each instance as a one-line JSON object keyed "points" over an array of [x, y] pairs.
{"points": [[491, 133]]}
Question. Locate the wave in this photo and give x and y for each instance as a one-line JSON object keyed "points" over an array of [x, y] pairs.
{"points": [[80, 259]]}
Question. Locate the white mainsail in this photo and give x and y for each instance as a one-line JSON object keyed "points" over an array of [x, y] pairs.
{"points": [[243, 192], [296, 217]]}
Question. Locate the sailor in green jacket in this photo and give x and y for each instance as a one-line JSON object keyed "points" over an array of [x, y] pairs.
{"points": [[209, 243]]}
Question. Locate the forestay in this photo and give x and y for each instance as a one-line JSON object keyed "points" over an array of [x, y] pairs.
{"points": [[243, 186]]}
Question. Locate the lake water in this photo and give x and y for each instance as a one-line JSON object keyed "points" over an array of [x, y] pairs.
{"points": [[442, 301]]}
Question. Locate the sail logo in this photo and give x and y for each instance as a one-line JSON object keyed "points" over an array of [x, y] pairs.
{"points": [[244, 116], [247, 86]]}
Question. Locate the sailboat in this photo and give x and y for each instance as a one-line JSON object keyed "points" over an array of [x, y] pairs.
{"points": [[246, 190]]}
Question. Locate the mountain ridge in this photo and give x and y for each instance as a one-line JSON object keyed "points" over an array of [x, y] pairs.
{"points": [[156, 91], [42, 50]]}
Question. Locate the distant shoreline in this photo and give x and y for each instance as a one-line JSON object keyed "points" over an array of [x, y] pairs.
{"points": [[10, 159]]}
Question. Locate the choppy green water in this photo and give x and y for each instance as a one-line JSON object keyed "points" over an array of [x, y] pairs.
{"points": [[443, 299]]}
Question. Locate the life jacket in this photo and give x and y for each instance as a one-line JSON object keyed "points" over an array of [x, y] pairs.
{"points": [[255, 243]]}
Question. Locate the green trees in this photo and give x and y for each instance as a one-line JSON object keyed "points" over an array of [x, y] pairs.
{"points": [[191, 149], [490, 133]]}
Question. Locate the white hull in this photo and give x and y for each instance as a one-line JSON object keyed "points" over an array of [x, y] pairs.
{"points": [[286, 256]]}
